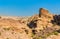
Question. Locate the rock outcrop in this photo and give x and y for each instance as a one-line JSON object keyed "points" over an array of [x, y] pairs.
{"points": [[43, 20], [39, 26], [57, 19], [37, 20], [43, 12]]}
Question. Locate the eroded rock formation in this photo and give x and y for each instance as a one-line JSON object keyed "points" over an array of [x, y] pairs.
{"points": [[37, 26], [43, 12]]}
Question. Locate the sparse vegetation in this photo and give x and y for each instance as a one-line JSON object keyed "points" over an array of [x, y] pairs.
{"points": [[0, 33], [55, 33], [32, 35], [7, 38], [6, 28], [39, 38]]}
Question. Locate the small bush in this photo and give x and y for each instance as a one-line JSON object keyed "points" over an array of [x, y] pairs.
{"points": [[7, 38], [6, 28], [0, 33], [32, 35], [55, 33], [40, 38]]}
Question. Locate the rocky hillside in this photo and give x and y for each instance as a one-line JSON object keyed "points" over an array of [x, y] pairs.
{"points": [[39, 26]]}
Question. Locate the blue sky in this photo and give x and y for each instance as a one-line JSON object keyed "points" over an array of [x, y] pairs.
{"points": [[28, 7]]}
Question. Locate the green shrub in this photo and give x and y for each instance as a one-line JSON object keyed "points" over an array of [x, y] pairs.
{"points": [[55, 33]]}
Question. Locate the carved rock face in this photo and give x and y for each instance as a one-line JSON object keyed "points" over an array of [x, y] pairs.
{"points": [[43, 12]]}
